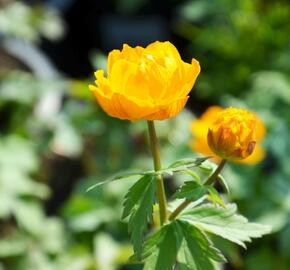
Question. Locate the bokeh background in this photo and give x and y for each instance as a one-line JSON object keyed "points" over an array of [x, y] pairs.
{"points": [[55, 141]]}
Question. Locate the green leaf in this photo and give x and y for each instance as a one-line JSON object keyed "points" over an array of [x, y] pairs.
{"points": [[196, 251], [208, 166], [188, 162], [224, 222], [214, 196], [191, 191], [139, 205], [182, 165], [115, 177], [135, 194], [182, 242], [193, 174], [224, 183], [161, 249]]}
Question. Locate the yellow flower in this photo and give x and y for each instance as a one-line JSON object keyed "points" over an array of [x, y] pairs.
{"points": [[240, 118], [149, 83]]}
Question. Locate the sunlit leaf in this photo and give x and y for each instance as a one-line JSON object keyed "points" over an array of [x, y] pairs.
{"points": [[182, 165], [224, 183], [162, 249], [214, 196], [224, 222], [196, 250], [182, 242]]}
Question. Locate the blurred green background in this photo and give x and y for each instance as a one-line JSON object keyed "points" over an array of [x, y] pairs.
{"points": [[55, 141]]}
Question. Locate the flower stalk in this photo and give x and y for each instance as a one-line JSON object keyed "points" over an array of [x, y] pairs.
{"points": [[209, 181], [157, 166], [216, 173]]}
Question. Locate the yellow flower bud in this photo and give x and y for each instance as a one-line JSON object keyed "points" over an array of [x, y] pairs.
{"points": [[199, 129], [233, 134], [149, 83]]}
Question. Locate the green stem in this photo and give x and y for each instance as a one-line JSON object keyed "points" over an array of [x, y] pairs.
{"points": [[216, 173], [157, 166], [209, 181], [179, 208]]}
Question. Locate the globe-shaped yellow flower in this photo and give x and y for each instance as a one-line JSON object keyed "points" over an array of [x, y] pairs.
{"points": [[149, 83], [234, 134]]}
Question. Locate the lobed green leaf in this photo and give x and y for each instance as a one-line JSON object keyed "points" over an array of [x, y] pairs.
{"points": [[162, 249], [182, 242], [196, 250], [139, 205], [224, 222], [182, 165], [117, 176], [191, 191]]}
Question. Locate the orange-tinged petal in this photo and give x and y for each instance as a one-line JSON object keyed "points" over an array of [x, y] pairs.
{"points": [[103, 83], [106, 104], [229, 136], [135, 110], [122, 107], [169, 110], [257, 156]]}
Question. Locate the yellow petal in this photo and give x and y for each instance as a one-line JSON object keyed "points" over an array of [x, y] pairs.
{"points": [[189, 73], [164, 53], [200, 145], [199, 129], [145, 83], [113, 56], [210, 114], [169, 110], [123, 107], [182, 80], [119, 75]]}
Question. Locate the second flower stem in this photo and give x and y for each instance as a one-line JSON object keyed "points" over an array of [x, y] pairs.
{"points": [[209, 181], [157, 166], [216, 173]]}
